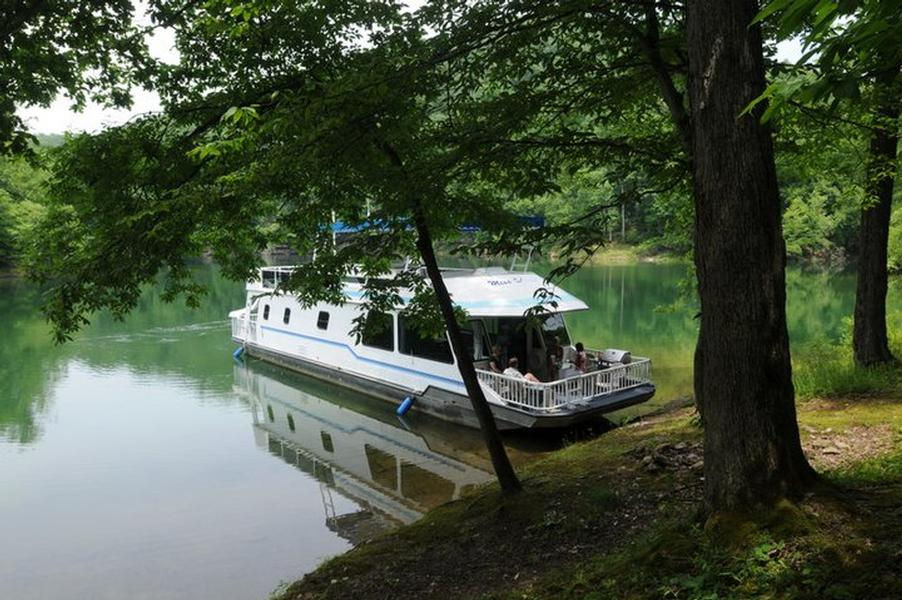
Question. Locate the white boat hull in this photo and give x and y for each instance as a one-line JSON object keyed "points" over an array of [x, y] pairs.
{"points": [[451, 406]]}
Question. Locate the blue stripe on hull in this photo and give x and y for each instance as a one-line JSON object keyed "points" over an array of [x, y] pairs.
{"points": [[446, 380]]}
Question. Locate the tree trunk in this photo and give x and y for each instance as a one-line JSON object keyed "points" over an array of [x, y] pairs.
{"points": [[753, 454], [507, 478], [869, 339]]}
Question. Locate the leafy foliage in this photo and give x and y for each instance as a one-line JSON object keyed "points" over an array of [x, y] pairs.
{"points": [[21, 205], [89, 49], [846, 44], [280, 121], [362, 113]]}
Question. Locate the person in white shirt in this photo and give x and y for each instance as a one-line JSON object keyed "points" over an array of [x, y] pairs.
{"points": [[512, 370]]}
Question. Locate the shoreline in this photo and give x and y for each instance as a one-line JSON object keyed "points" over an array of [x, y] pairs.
{"points": [[627, 502], [615, 254]]}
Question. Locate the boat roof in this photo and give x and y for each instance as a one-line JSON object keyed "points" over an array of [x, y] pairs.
{"points": [[486, 292]]}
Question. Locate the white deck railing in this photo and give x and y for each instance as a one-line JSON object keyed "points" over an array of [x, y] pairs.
{"points": [[244, 329], [239, 328], [553, 395]]}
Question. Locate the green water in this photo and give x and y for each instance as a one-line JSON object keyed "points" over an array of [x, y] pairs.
{"points": [[640, 308], [140, 461]]}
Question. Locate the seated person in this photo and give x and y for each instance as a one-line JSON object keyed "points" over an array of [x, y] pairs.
{"points": [[513, 370], [581, 360], [496, 360]]}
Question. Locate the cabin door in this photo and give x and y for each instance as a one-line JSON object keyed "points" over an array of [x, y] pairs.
{"points": [[510, 334], [536, 353]]}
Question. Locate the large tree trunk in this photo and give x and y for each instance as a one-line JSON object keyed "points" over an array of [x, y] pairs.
{"points": [[743, 377], [507, 478], [869, 339]]}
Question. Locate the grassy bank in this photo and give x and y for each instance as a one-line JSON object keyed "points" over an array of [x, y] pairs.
{"points": [[617, 253], [829, 370], [616, 517]]}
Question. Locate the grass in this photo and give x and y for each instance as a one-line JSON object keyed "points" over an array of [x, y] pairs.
{"points": [[596, 521], [844, 541], [829, 370], [618, 253], [569, 503], [839, 544]]}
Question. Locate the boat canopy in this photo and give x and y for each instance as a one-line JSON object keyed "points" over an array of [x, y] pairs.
{"points": [[496, 292], [502, 293], [482, 292]]}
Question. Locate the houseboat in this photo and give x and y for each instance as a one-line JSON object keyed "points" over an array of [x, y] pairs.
{"points": [[396, 362]]}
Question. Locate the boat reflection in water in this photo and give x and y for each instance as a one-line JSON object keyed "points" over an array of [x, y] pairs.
{"points": [[360, 451]]}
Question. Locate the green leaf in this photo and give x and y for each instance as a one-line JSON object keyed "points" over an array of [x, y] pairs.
{"points": [[771, 8]]}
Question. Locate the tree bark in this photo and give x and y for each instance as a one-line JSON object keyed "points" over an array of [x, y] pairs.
{"points": [[869, 339], [504, 471], [753, 454]]}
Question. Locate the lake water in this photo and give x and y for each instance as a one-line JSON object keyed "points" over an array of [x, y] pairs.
{"points": [[140, 461]]}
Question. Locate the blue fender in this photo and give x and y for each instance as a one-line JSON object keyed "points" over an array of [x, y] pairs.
{"points": [[405, 406]]}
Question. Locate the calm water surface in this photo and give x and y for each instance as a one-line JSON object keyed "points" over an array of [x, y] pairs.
{"points": [[140, 461]]}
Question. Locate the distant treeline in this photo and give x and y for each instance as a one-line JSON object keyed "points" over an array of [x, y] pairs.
{"points": [[822, 195], [821, 183]]}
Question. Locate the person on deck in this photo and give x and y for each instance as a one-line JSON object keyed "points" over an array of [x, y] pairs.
{"points": [[496, 361], [513, 370], [581, 361]]}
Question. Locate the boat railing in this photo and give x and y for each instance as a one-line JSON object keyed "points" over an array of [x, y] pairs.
{"points": [[244, 328], [239, 328], [570, 391]]}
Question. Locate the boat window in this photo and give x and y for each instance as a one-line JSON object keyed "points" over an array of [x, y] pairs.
{"points": [[286, 316], [553, 326], [290, 422], [476, 339], [266, 312], [322, 321], [305, 463], [327, 441], [269, 413], [323, 472], [424, 487], [414, 343], [383, 467], [379, 331]]}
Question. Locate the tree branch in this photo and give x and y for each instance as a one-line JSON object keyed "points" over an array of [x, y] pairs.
{"points": [[672, 97]]}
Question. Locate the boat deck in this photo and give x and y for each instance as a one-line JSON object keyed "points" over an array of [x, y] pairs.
{"points": [[567, 394]]}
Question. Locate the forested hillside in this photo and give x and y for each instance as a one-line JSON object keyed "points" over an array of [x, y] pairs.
{"points": [[821, 186], [22, 196]]}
